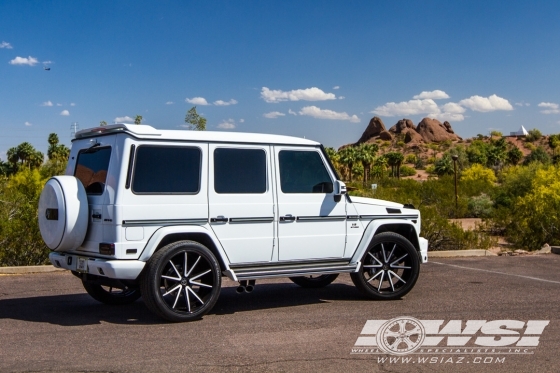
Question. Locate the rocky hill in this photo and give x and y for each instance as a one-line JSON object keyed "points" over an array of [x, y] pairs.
{"points": [[428, 131]]}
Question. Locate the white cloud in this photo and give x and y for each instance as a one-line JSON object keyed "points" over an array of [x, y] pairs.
{"points": [[290, 111], [197, 101], [225, 103], [31, 61], [169, 103], [58, 104], [450, 117], [227, 124], [273, 115], [341, 97], [522, 104], [453, 108], [72, 104], [47, 62], [308, 94], [315, 112], [65, 113], [411, 107], [5, 45], [47, 103], [434, 95], [27, 124], [485, 104], [551, 108], [125, 119], [241, 120], [336, 87]]}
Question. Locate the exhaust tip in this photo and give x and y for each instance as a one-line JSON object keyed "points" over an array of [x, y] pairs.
{"points": [[249, 288], [240, 289]]}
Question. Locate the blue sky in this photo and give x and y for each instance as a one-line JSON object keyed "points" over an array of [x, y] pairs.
{"points": [[319, 69]]}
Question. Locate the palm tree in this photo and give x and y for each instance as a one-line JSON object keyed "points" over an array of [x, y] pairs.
{"points": [[348, 158], [366, 154], [395, 159]]}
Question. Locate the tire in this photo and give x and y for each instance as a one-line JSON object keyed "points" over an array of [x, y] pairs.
{"points": [[390, 267], [181, 281], [111, 296], [314, 281]]}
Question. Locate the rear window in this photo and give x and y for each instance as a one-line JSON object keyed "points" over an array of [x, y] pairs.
{"points": [[91, 169], [167, 170]]}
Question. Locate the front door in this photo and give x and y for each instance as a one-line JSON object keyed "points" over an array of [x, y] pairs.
{"points": [[241, 201], [311, 221]]}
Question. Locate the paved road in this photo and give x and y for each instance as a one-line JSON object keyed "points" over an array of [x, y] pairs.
{"points": [[48, 323]]}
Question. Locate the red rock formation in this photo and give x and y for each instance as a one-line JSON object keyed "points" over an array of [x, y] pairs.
{"points": [[374, 128], [402, 125], [432, 130]]}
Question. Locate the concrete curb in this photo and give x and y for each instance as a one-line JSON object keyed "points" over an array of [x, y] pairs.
{"points": [[459, 253], [28, 269]]}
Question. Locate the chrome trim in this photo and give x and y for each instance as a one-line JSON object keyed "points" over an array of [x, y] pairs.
{"points": [[133, 223], [289, 272], [373, 217], [265, 219], [315, 218]]}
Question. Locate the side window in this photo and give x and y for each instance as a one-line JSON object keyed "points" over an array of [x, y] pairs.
{"points": [[167, 170], [91, 169], [303, 172], [239, 170]]}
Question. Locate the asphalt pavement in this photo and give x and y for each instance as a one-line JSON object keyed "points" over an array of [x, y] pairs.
{"points": [[49, 324]]}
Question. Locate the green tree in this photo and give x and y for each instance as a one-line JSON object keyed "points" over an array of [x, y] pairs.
{"points": [[538, 155], [138, 119], [103, 123], [196, 121], [533, 135], [395, 159], [444, 166], [348, 156], [514, 155], [366, 154], [554, 142]]}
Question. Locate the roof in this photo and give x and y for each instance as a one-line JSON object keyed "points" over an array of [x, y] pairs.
{"points": [[143, 131]]}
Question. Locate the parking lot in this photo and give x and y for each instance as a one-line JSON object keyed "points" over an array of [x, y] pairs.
{"points": [[48, 323]]}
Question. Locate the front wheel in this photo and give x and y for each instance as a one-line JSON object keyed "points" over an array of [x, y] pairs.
{"points": [[181, 281], [314, 281], [390, 267], [110, 295]]}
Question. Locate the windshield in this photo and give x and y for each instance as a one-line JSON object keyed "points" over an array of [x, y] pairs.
{"points": [[91, 169]]}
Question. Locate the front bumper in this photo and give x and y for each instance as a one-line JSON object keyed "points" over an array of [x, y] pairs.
{"points": [[423, 249], [118, 269]]}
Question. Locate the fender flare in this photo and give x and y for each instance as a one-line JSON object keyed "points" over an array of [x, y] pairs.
{"points": [[161, 233], [370, 232]]}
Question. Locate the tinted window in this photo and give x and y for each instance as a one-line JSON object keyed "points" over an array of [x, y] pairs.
{"points": [[166, 169], [303, 172], [91, 169], [239, 170]]}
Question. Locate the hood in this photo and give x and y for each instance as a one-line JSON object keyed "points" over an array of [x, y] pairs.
{"points": [[376, 202]]}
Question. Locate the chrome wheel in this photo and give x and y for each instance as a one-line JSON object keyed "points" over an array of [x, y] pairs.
{"points": [[390, 267], [182, 282]]}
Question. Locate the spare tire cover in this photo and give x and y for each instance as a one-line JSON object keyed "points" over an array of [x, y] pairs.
{"points": [[63, 213]]}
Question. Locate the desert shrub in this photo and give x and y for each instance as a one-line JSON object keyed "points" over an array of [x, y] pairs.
{"points": [[533, 135], [430, 169], [479, 172], [480, 206], [529, 146], [431, 160], [407, 171], [410, 158], [420, 164], [537, 155]]}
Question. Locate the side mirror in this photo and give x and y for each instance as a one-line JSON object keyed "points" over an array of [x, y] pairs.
{"points": [[339, 188]]}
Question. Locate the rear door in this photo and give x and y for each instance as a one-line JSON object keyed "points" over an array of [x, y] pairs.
{"points": [[241, 201]]}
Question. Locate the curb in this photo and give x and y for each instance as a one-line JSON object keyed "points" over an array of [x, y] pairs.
{"points": [[555, 249], [459, 253], [29, 269]]}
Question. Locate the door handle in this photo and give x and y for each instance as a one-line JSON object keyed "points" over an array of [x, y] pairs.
{"points": [[287, 218], [219, 219]]}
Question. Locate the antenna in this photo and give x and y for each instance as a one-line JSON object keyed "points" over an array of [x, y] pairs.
{"points": [[74, 128]]}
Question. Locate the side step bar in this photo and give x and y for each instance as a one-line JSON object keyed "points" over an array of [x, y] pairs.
{"points": [[252, 273]]}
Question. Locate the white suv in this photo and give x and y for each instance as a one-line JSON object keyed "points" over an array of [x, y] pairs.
{"points": [[165, 214]]}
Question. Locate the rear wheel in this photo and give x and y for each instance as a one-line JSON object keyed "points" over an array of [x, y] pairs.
{"points": [[181, 281], [314, 281], [110, 295], [390, 267]]}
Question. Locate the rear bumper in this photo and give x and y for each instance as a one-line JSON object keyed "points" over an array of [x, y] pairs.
{"points": [[423, 249], [118, 269]]}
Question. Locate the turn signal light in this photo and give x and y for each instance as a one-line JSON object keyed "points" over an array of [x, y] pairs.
{"points": [[107, 248]]}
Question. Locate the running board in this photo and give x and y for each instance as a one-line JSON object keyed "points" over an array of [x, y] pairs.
{"points": [[252, 273]]}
